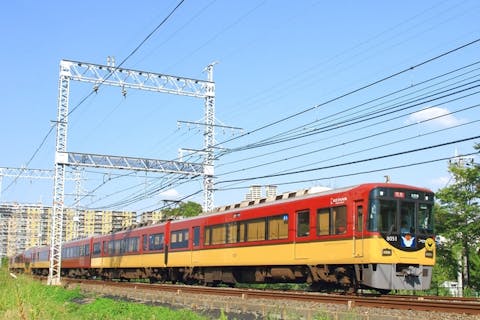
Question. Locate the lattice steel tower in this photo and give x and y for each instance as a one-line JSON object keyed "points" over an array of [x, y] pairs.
{"points": [[133, 79]]}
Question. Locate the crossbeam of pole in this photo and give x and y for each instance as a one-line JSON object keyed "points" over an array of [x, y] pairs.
{"points": [[29, 173], [135, 79], [129, 163]]}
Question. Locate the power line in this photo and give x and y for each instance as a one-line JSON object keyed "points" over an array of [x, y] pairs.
{"points": [[304, 127], [356, 173], [376, 134], [351, 162], [88, 95], [323, 122], [369, 116], [30, 160], [356, 90]]}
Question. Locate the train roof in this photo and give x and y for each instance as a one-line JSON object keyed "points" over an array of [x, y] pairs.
{"points": [[277, 199], [306, 193]]}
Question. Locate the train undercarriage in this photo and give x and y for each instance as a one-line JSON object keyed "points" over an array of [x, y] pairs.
{"points": [[322, 278]]}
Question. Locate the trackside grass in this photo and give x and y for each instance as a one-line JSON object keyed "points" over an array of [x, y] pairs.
{"points": [[26, 299]]}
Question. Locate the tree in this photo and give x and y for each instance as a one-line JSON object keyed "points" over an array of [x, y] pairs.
{"points": [[184, 209], [459, 219]]}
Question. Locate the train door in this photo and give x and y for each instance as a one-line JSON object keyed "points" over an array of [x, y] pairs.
{"points": [[195, 245], [358, 228], [302, 232]]}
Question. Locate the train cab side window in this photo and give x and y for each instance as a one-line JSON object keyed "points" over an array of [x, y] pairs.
{"points": [[425, 218], [303, 223]]}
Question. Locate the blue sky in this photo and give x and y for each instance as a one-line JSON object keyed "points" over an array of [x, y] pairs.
{"points": [[275, 59]]}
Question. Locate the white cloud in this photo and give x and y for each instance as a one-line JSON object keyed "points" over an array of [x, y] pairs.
{"points": [[443, 117], [170, 194], [440, 182]]}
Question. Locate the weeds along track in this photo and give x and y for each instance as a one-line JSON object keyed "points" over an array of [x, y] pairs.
{"points": [[268, 302]]}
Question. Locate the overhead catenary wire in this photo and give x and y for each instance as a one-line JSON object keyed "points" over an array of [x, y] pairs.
{"points": [[407, 165], [376, 134], [368, 116], [351, 162], [371, 84], [323, 120]]}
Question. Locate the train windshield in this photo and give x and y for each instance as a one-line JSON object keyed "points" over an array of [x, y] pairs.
{"points": [[401, 212]]}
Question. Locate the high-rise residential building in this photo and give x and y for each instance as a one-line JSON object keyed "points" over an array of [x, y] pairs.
{"points": [[27, 225]]}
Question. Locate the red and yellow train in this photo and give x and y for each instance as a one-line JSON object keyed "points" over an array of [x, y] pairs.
{"points": [[376, 235]]}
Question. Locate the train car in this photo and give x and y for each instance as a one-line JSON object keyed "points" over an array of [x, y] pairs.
{"points": [[367, 236], [76, 258], [17, 263], [376, 235], [40, 260], [120, 254]]}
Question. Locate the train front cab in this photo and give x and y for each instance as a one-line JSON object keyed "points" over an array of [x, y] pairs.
{"points": [[400, 251]]}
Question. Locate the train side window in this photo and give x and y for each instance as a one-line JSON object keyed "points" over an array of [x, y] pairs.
{"points": [[323, 220], [156, 241], [145, 242], [232, 232], [303, 223], [119, 246], [96, 248], [111, 248], [278, 227], [339, 216], [256, 230], [132, 244], [359, 218], [208, 236], [219, 234], [196, 236], [123, 245], [179, 239], [242, 231]]}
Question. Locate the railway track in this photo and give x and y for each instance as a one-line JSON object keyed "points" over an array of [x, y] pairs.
{"points": [[469, 306]]}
